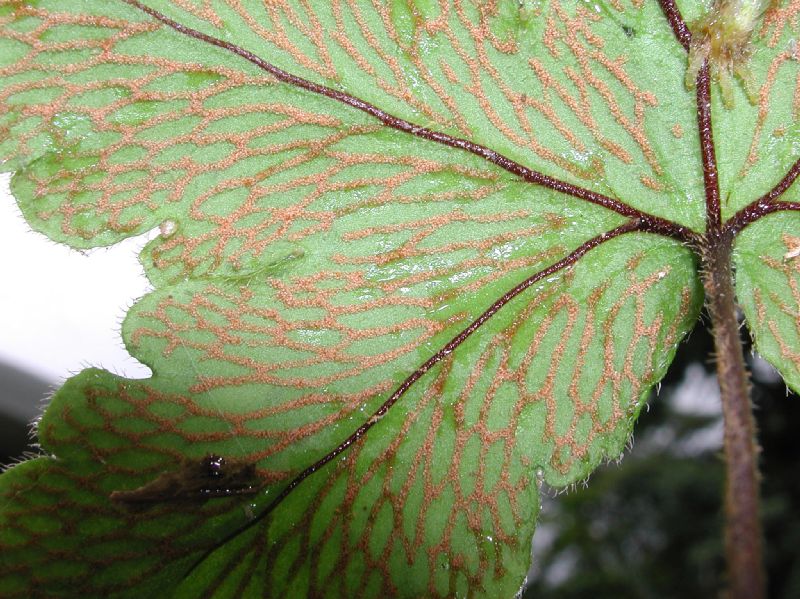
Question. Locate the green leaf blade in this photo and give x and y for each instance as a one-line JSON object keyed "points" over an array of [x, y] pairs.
{"points": [[311, 260], [767, 289], [422, 418], [416, 474]]}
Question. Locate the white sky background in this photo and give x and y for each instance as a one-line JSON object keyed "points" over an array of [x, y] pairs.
{"points": [[60, 309]]}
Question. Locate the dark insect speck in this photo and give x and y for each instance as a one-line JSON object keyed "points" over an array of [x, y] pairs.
{"points": [[215, 465]]}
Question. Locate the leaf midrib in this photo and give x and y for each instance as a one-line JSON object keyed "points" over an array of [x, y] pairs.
{"points": [[646, 221]]}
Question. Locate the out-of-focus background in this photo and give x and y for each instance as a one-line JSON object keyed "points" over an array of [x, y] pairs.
{"points": [[650, 527]]}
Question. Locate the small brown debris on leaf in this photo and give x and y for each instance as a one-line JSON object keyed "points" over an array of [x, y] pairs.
{"points": [[198, 480]]}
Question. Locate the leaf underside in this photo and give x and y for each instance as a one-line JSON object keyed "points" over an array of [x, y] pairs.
{"points": [[312, 258]]}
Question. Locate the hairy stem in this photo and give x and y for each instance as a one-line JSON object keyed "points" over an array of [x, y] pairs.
{"points": [[707, 151], [743, 537], [679, 27]]}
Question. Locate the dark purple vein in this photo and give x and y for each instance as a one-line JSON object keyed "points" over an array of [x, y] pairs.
{"points": [[708, 153], [755, 211], [679, 28], [444, 351], [653, 223], [451, 345], [766, 204], [782, 186]]}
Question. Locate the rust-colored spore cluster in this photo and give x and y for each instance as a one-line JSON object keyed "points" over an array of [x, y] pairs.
{"points": [[723, 38]]}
